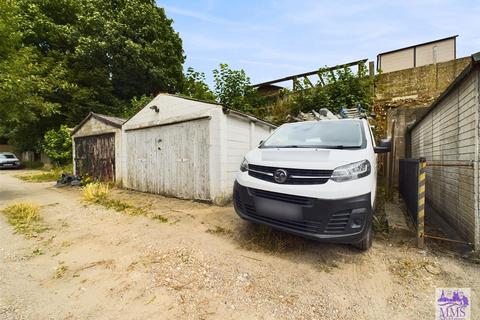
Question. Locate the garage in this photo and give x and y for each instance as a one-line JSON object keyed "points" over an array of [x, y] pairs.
{"points": [[96, 147], [187, 148]]}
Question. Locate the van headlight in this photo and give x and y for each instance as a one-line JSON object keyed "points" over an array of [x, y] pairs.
{"points": [[351, 171], [244, 165]]}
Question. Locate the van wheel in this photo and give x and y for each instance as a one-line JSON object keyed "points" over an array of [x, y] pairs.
{"points": [[366, 243]]}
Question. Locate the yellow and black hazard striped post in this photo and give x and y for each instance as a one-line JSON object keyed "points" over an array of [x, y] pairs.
{"points": [[421, 203]]}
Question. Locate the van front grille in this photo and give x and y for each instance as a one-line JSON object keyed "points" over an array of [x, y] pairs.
{"points": [[304, 201], [338, 222], [295, 176]]}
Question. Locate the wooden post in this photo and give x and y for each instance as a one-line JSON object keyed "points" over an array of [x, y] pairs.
{"points": [[421, 204], [390, 165], [371, 68]]}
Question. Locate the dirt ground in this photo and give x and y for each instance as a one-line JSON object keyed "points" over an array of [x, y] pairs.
{"points": [[204, 263]]}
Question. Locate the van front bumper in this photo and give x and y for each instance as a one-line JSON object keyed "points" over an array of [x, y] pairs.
{"points": [[340, 220]]}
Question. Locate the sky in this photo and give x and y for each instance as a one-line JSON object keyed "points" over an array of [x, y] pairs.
{"points": [[275, 38]]}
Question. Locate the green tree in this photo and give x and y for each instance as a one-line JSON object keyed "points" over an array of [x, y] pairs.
{"points": [[194, 86], [233, 88], [27, 79], [57, 144], [70, 57]]}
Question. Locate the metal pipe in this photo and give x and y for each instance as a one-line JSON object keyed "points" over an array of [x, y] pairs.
{"points": [[446, 239], [470, 165]]}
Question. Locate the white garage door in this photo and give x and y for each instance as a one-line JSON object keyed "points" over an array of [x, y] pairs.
{"points": [[170, 159]]}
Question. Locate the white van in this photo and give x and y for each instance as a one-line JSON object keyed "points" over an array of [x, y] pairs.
{"points": [[316, 179]]}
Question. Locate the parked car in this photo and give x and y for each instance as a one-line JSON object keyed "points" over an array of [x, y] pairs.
{"points": [[316, 179], [9, 160]]}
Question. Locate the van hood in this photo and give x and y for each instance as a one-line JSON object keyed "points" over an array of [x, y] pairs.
{"points": [[305, 158]]}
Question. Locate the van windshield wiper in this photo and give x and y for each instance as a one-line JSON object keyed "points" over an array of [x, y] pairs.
{"points": [[340, 147]]}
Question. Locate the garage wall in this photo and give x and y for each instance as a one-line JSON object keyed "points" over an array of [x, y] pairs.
{"points": [[242, 135], [171, 160], [448, 134], [96, 127]]}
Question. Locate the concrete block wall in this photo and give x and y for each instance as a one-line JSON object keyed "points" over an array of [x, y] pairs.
{"points": [[449, 135]]}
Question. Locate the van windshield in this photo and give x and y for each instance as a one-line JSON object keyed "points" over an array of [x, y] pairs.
{"points": [[320, 134]]}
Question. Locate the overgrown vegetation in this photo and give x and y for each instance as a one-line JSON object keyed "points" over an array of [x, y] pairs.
{"points": [[99, 193], [45, 175], [57, 145], [333, 90], [25, 218]]}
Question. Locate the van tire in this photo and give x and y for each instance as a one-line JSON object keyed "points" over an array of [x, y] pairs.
{"points": [[366, 242]]}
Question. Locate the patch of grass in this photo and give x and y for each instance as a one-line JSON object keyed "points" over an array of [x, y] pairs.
{"points": [[218, 230], [262, 238], [98, 193], [25, 218], [95, 192], [45, 175]]}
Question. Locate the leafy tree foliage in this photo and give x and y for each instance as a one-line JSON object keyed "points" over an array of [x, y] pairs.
{"points": [[65, 58], [194, 86], [57, 144], [233, 88], [341, 88], [26, 78]]}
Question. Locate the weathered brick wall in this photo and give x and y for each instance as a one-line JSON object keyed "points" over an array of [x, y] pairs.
{"points": [[404, 95], [416, 87]]}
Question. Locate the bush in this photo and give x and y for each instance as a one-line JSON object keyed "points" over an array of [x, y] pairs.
{"points": [[57, 144]]}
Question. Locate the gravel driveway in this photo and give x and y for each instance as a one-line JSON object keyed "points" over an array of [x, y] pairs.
{"points": [[203, 262]]}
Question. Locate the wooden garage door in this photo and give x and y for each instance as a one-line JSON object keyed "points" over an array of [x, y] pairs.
{"points": [[171, 159], [95, 156]]}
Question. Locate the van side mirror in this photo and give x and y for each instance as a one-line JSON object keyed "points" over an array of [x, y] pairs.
{"points": [[384, 146]]}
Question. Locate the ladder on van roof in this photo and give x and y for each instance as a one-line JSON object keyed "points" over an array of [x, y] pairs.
{"points": [[352, 113]]}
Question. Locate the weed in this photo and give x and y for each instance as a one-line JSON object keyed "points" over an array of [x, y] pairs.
{"points": [[95, 192], [38, 252], [160, 218], [44, 175], [66, 243], [98, 193], [25, 218], [219, 230], [60, 270]]}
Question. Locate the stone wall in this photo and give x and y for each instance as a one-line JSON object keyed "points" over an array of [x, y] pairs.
{"points": [[416, 87], [405, 95]]}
